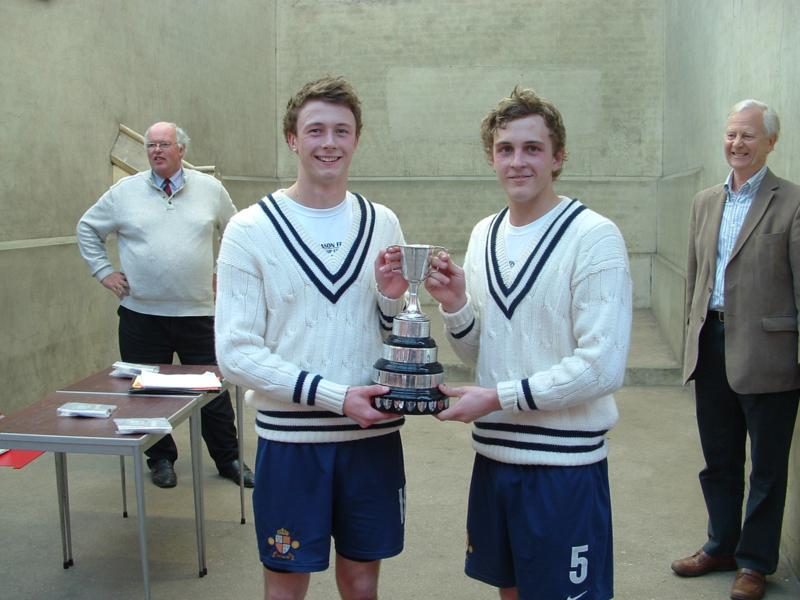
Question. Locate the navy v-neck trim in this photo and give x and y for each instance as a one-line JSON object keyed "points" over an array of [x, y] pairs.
{"points": [[504, 296], [332, 285]]}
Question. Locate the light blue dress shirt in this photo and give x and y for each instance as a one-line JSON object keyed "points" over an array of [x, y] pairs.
{"points": [[175, 181], [737, 203]]}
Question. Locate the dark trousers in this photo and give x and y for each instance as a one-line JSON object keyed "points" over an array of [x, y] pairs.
{"points": [[153, 339], [725, 419]]}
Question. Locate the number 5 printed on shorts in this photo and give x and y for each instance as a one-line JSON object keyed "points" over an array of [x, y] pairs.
{"points": [[580, 568]]}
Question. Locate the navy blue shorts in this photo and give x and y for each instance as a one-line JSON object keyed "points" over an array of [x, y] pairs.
{"points": [[544, 530], [306, 494]]}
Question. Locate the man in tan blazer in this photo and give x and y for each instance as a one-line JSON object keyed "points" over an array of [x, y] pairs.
{"points": [[742, 298]]}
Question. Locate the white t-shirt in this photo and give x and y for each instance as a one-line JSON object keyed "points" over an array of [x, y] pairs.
{"points": [[327, 226], [520, 241]]}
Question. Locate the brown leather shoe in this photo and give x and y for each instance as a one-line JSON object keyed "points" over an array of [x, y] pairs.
{"points": [[749, 585], [701, 563]]}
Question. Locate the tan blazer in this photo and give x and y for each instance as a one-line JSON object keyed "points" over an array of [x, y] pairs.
{"points": [[762, 287]]}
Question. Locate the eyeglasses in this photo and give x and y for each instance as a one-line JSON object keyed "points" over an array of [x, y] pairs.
{"points": [[159, 145]]}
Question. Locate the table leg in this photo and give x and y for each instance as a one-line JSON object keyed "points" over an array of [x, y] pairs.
{"points": [[63, 508], [124, 494], [240, 429], [197, 485], [138, 466]]}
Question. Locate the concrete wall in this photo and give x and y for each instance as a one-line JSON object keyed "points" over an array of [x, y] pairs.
{"points": [[428, 72], [643, 85], [225, 71], [71, 72], [716, 54]]}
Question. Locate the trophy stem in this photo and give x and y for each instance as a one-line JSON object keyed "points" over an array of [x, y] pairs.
{"points": [[413, 299]]}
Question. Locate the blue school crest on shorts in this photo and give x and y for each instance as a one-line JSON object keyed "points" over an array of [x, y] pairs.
{"points": [[283, 544]]}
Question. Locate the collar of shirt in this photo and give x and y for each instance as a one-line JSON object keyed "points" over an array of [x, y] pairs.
{"points": [[175, 180], [748, 190]]}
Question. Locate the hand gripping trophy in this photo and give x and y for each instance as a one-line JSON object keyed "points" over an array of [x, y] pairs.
{"points": [[408, 365]]}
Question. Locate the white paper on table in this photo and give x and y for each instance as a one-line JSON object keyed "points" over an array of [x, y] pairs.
{"points": [[142, 425], [182, 381]]}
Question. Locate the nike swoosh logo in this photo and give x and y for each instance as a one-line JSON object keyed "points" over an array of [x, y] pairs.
{"points": [[578, 596]]}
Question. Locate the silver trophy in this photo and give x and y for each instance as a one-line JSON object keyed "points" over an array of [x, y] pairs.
{"points": [[409, 363]]}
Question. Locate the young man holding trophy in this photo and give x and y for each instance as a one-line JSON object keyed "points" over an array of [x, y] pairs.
{"points": [[542, 308], [302, 307]]}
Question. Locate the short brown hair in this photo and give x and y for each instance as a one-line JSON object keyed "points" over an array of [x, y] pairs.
{"points": [[524, 103], [328, 89]]}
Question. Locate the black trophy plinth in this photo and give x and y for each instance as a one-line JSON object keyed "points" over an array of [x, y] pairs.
{"points": [[409, 367]]}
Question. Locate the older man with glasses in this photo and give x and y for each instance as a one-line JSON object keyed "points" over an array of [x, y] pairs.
{"points": [[742, 298], [166, 220]]}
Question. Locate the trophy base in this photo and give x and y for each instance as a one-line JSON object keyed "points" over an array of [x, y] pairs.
{"points": [[406, 401]]}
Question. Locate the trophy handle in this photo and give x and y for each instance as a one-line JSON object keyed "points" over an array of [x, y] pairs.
{"points": [[434, 251]]}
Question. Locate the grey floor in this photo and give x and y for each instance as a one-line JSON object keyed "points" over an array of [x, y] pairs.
{"points": [[658, 515]]}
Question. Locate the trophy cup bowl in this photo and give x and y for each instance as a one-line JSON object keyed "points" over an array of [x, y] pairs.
{"points": [[408, 364]]}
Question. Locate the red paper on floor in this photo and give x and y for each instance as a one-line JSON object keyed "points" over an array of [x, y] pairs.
{"points": [[19, 458]]}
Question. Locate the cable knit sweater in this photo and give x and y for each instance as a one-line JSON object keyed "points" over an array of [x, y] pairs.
{"points": [[297, 325], [166, 243], [552, 337]]}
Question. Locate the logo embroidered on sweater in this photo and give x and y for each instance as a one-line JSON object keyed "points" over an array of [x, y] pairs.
{"points": [[283, 544]]}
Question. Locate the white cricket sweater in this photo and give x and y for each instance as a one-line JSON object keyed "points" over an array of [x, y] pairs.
{"points": [[166, 244], [552, 338], [297, 325]]}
